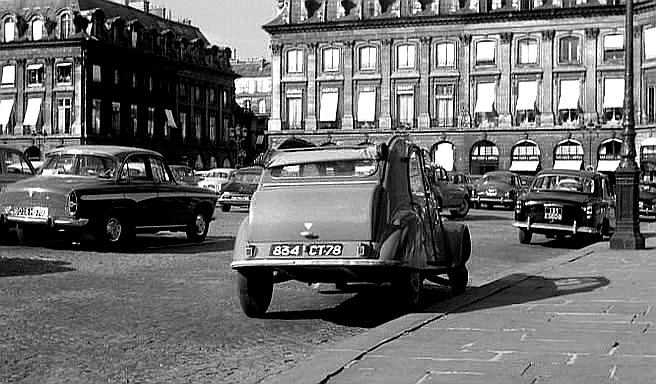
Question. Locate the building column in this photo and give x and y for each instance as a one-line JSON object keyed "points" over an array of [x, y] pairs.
{"points": [[590, 114], [385, 121], [347, 120], [48, 100], [505, 120], [311, 120], [275, 123], [464, 94], [19, 106], [424, 92], [547, 117], [78, 94]]}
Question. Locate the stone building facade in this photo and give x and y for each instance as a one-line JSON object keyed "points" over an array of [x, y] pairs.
{"points": [[481, 84], [98, 72]]}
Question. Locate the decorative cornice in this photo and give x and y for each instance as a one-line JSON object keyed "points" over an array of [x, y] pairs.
{"points": [[548, 35], [425, 40], [591, 33], [349, 43], [506, 37], [637, 31], [465, 38], [386, 42], [276, 48]]}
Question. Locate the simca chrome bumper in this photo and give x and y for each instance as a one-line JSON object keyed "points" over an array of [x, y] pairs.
{"points": [[49, 221], [493, 200], [315, 263], [573, 229]]}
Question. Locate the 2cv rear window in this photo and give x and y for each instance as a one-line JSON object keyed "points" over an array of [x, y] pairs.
{"points": [[326, 169]]}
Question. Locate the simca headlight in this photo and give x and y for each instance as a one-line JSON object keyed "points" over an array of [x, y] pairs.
{"points": [[71, 203]]}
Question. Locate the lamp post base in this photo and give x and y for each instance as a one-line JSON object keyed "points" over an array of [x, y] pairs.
{"points": [[627, 232], [627, 241]]}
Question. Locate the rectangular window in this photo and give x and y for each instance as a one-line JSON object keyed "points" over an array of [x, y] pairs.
{"points": [[331, 60], [97, 74], [406, 110], [568, 3], [405, 56], [10, 31], [95, 116], [8, 76], [528, 52], [485, 52], [613, 47], [295, 112], [568, 106], [650, 43], [525, 5], [198, 125], [64, 113], [651, 104], [212, 97], [151, 121], [116, 118], [484, 6], [613, 100], [35, 75], [368, 57], [444, 105], [212, 127], [134, 119], [183, 125], [64, 73], [295, 61], [446, 55], [569, 50]]}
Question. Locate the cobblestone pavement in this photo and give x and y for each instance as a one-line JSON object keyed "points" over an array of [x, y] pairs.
{"points": [[168, 312]]}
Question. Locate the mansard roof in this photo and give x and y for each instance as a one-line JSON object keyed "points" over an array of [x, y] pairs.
{"points": [[252, 68]]}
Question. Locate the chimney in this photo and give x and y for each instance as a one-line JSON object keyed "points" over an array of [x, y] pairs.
{"points": [[147, 6]]}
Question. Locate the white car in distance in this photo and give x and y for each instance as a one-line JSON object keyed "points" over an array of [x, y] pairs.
{"points": [[216, 178]]}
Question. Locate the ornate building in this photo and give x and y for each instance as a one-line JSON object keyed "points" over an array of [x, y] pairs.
{"points": [[481, 84], [98, 72]]}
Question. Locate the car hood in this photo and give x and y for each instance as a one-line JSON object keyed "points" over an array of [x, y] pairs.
{"points": [[239, 187], [57, 184], [500, 187], [335, 213], [563, 197]]}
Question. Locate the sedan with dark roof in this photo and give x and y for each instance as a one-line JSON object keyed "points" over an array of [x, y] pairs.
{"points": [[108, 192], [497, 188]]}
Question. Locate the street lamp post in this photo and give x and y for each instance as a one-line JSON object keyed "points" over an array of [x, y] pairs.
{"points": [[627, 232]]}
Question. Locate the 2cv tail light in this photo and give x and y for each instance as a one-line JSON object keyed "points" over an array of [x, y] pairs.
{"points": [[71, 203], [589, 211], [366, 250], [250, 251]]}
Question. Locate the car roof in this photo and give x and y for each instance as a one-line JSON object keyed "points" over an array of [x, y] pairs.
{"points": [[221, 170], [505, 173], [110, 150], [9, 148], [322, 154], [253, 169], [569, 172]]}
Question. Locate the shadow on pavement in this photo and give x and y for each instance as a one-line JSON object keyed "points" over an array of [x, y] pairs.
{"points": [[23, 267]]}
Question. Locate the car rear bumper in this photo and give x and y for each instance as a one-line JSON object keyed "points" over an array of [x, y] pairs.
{"points": [[53, 222], [281, 263], [551, 227], [493, 200], [234, 202]]}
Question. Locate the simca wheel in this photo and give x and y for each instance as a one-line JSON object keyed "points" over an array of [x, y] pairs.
{"points": [[408, 286], [525, 236], [462, 210], [225, 208], [255, 290], [197, 231], [458, 279], [114, 231]]}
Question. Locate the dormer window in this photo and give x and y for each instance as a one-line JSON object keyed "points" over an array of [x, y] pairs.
{"points": [[10, 31], [331, 60], [37, 29], [65, 26], [613, 47], [405, 56]]}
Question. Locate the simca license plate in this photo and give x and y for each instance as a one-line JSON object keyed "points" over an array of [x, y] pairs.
{"points": [[31, 212], [553, 213], [306, 250]]}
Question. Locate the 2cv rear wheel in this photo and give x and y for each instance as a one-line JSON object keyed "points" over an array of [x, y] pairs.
{"points": [[255, 289], [458, 279], [408, 286]]}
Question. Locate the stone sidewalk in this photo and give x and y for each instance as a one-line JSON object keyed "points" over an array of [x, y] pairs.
{"points": [[584, 317]]}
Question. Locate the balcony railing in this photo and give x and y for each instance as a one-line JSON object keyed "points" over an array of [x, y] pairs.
{"points": [[366, 124], [329, 125], [293, 125], [444, 122]]}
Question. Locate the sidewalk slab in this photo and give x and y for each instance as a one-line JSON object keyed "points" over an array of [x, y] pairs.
{"points": [[584, 317]]}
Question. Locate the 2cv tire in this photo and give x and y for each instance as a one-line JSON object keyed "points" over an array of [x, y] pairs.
{"points": [[255, 289], [525, 236], [408, 286], [458, 279]]}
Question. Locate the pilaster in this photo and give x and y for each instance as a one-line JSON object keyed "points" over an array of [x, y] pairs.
{"points": [[275, 123], [590, 113], [505, 119], [20, 106], [76, 128], [547, 116], [311, 74], [347, 120], [424, 69], [464, 93], [385, 122], [46, 107]]}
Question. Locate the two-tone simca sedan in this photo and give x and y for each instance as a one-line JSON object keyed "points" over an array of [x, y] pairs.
{"points": [[343, 214], [497, 188], [108, 192], [565, 202], [239, 189]]}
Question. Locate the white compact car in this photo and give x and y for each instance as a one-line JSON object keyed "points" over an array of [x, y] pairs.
{"points": [[216, 178]]}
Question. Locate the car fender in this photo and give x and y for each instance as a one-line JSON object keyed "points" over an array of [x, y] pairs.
{"points": [[404, 242], [238, 252], [456, 242]]}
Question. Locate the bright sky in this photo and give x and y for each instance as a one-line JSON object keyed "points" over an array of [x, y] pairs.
{"points": [[235, 23]]}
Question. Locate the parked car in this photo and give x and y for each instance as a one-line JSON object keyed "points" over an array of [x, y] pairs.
{"points": [[464, 179], [240, 188], [647, 200], [450, 195], [184, 174], [343, 214], [216, 178], [108, 192], [566, 202], [14, 166], [498, 188]]}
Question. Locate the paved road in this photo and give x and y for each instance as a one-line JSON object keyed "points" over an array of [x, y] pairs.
{"points": [[167, 311]]}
